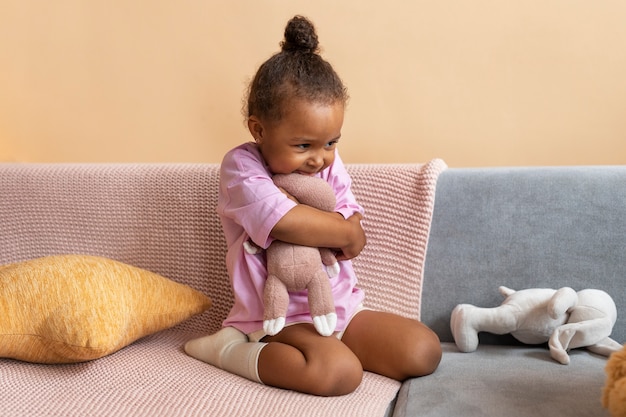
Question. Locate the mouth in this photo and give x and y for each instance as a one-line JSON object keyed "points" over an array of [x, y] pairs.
{"points": [[307, 174]]}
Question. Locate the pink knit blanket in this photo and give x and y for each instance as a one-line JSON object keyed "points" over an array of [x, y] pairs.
{"points": [[161, 217]]}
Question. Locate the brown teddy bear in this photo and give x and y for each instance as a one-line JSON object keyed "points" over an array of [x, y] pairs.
{"points": [[614, 396], [295, 268]]}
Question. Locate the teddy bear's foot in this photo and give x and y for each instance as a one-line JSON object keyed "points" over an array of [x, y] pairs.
{"points": [[273, 326], [325, 325], [333, 270], [465, 335]]}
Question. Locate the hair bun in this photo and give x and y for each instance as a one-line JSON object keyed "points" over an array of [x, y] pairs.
{"points": [[300, 36]]}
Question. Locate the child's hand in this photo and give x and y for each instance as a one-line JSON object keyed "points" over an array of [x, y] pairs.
{"points": [[356, 240]]}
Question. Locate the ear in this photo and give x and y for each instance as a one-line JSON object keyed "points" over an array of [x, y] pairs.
{"points": [[256, 129]]}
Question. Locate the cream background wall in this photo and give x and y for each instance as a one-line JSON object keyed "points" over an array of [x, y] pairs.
{"points": [[477, 83]]}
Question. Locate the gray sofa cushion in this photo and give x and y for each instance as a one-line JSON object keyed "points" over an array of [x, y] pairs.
{"points": [[506, 381], [524, 228]]}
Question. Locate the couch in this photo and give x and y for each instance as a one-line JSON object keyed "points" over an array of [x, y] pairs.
{"points": [[437, 237]]}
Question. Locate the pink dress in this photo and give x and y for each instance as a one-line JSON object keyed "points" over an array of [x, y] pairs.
{"points": [[249, 207]]}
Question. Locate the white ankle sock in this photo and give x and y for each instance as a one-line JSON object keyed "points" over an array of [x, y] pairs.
{"points": [[228, 349]]}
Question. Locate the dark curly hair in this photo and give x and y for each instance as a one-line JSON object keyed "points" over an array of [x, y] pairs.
{"points": [[297, 71]]}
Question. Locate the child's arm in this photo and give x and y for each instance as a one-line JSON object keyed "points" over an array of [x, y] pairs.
{"points": [[307, 226]]}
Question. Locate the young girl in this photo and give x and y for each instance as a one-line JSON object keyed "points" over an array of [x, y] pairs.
{"points": [[295, 113]]}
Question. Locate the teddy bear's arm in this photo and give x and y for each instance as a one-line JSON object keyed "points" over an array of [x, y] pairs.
{"points": [[330, 262]]}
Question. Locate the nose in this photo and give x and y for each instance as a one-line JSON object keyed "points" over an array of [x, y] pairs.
{"points": [[316, 159]]}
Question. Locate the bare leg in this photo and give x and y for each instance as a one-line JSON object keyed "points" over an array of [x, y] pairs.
{"points": [[393, 346], [298, 358]]}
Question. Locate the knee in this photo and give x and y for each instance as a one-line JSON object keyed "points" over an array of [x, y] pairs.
{"points": [[339, 375], [423, 355], [431, 354]]}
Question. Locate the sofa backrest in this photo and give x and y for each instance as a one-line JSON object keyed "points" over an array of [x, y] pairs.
{"points": [[524, 228], [162, 217]]}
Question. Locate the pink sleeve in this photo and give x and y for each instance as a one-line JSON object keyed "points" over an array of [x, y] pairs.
{"points": [[249, 197]]}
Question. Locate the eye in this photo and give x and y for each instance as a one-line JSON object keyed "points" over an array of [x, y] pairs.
{"points": [[332, 143], [303, 146]]}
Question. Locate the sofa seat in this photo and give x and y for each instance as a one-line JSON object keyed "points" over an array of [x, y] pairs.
{"points": [[512, 381], [154, 377]]}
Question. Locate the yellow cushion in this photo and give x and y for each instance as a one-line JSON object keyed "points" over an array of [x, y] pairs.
{"points": [[74, 308]]}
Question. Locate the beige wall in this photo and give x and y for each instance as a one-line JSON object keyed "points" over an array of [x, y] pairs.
{"points": [[477, 83]]}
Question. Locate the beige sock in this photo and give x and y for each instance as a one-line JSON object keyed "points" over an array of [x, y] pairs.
{"points": [[228, 349]]}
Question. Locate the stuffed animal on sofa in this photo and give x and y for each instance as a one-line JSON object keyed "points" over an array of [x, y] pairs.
{"points": [[614, 393], [295, 268], [564, 318]]}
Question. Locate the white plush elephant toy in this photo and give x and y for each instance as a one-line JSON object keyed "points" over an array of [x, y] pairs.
{"points": [[564, 318]]}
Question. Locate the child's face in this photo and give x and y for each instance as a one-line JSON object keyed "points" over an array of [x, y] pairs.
{"points": [[303, 141]]}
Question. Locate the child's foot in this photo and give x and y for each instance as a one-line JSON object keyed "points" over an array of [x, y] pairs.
{"points": [[210, 349], [229, 350]]}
